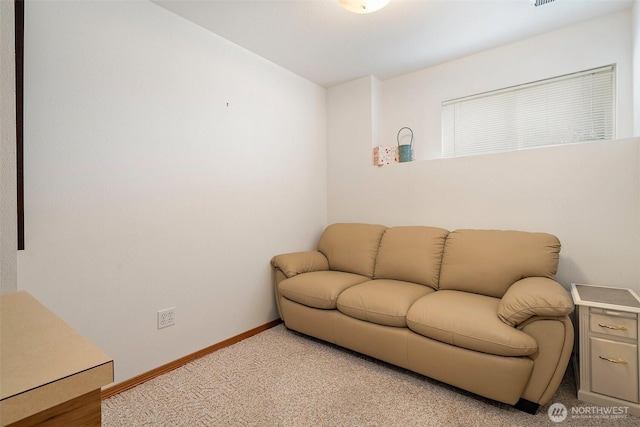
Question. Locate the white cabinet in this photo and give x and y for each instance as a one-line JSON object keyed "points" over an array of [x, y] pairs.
{"points": [[607, 352]]}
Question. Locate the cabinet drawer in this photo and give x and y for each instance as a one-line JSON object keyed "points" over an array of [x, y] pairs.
{"points": [[614, 369], [617, 326]]}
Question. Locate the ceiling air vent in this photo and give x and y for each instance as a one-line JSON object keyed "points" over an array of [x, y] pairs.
{"points": [[540, 2]]}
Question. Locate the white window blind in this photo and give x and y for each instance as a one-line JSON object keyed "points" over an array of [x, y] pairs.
{"points": [[573, 108]]}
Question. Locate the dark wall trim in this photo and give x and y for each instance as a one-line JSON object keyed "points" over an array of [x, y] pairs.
{"points": [[19, 15]]}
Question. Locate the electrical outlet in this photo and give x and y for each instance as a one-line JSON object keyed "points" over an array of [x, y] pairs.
{"points": [[166, 317]]}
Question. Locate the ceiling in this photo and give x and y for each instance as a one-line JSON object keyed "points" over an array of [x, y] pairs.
{"points": [[326, 44]]}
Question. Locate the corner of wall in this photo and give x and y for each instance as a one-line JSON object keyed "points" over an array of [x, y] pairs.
{"points": [[635, 58], [8, 186], [375, 110]]}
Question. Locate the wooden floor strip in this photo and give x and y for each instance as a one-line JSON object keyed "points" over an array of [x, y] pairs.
{"points": [[112, 390]]}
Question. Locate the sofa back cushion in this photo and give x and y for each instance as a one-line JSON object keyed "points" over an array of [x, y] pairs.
{"points": [[351, 247], [412, 254], [487, 262]]}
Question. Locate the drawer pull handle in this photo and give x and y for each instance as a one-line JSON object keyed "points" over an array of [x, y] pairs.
{"points": [[621, 361], [615, 328]]}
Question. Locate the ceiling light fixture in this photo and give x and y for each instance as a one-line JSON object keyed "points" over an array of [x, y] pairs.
{"points": [[537, 3], [363, 6]]}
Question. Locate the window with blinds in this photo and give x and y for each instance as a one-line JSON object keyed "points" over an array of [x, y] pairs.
{"points": [[562, 110]]}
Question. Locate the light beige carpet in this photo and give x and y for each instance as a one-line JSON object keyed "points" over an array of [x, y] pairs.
{"points": [[281, 378]]}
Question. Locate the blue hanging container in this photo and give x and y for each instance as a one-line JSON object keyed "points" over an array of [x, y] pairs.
{"points": [[404, 151]]}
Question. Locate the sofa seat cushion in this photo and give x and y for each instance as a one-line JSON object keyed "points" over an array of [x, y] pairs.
{"points": [[382, 301], [318, 289], [470, 321]]}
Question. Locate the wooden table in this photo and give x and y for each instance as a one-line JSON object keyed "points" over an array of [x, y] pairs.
{"points": [[49, 373]]}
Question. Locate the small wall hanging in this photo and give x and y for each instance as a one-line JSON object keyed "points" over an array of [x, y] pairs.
{"points": [[385, 155], [405, 151]]}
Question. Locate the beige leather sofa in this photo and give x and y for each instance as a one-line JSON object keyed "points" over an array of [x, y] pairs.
{"points": [[477, 309]]}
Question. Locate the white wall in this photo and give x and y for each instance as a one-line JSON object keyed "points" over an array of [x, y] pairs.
{"points": [[8, 215], [415, 99], [586, 194], [350, 128], [144, 190]]}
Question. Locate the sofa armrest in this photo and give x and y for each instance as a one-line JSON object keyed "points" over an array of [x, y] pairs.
{"points": [[300, 262], [534, 296]]}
